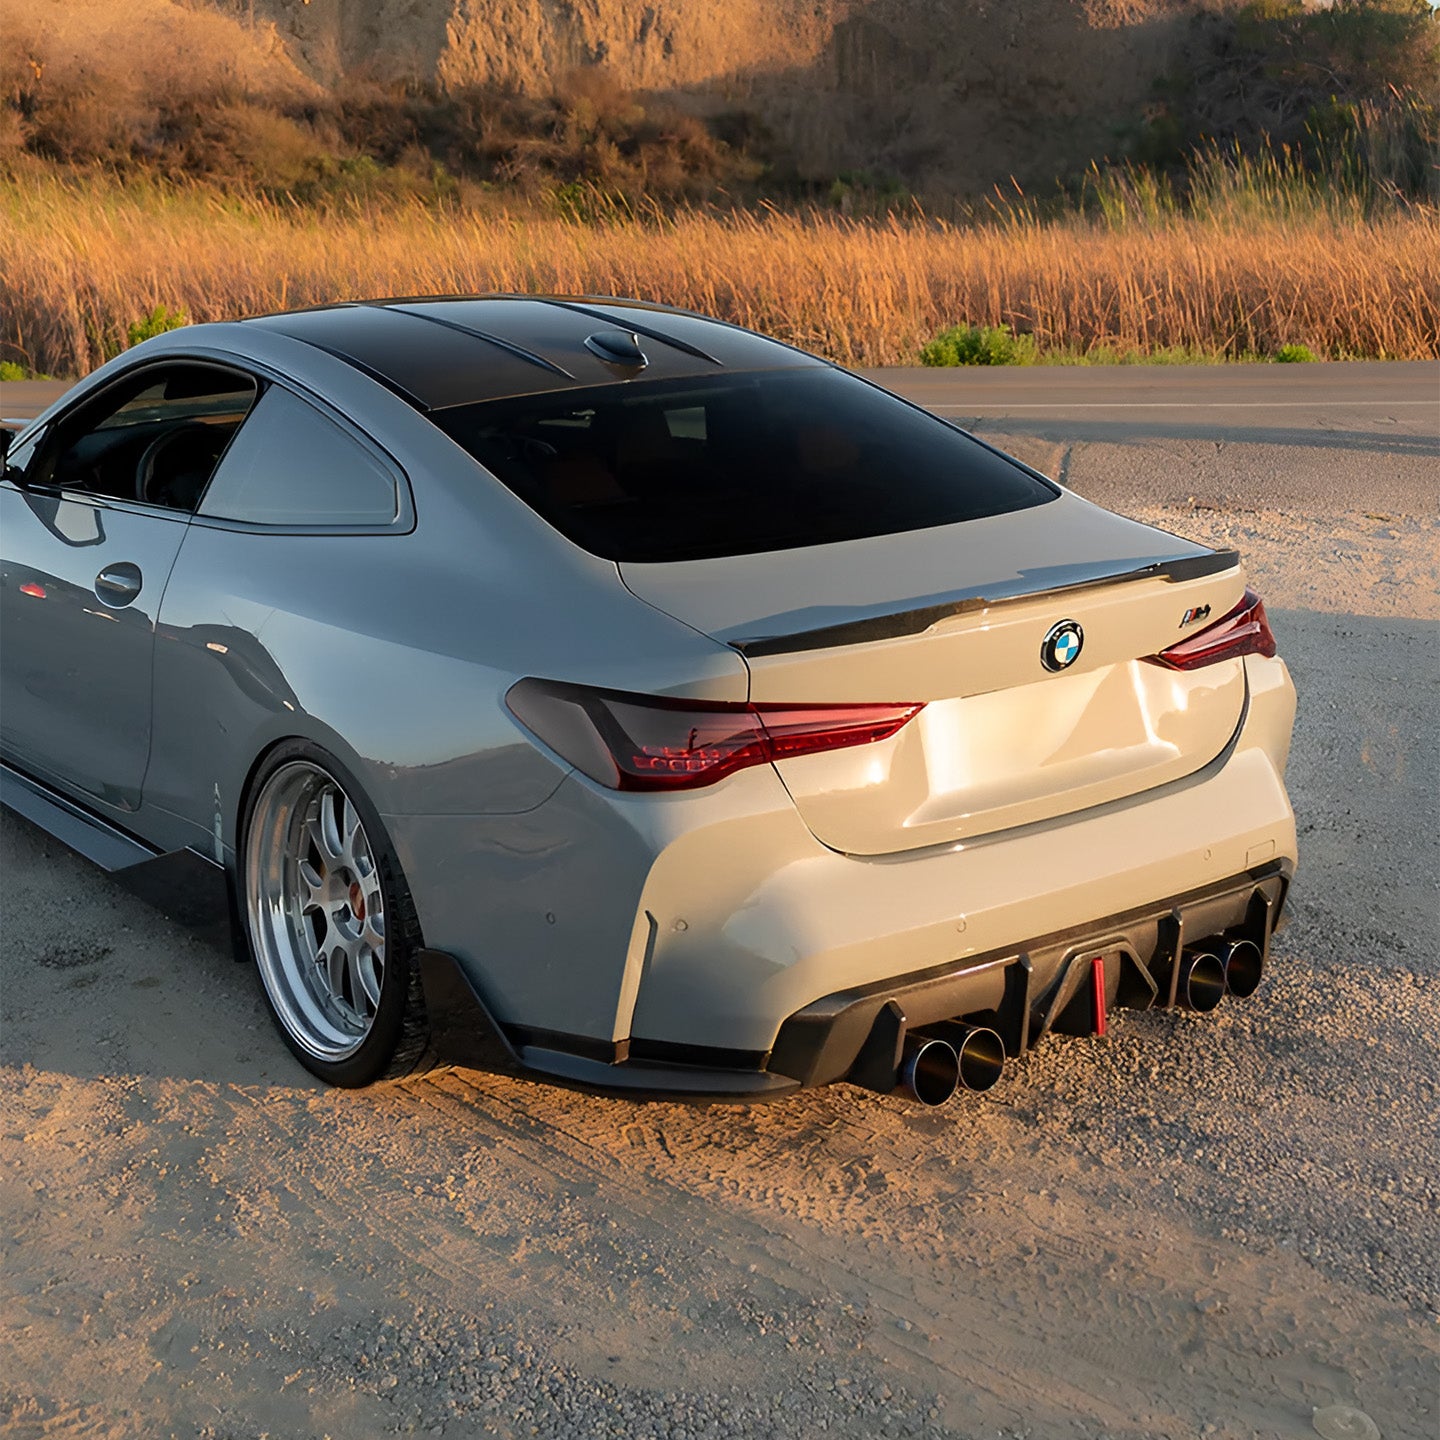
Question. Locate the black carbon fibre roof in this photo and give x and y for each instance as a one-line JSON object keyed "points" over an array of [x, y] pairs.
{"points": [[439, 351]]}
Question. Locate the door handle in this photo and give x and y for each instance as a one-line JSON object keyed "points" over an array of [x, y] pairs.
{"points": [[118, 584]]}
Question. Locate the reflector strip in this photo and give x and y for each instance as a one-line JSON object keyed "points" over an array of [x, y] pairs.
{"points": [[1097, 991]]}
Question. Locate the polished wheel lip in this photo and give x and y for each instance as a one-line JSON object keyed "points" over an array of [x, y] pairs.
{"points": [[316, 910]]}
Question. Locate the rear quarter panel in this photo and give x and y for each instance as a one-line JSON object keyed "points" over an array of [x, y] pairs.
{"points": [[395, 649]]}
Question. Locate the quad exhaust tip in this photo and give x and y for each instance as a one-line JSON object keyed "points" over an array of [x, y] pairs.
{"points": [[1201, 984], [955, 1056], [952, 1057], [1244, 968], [981, 1054], [1219, 968], [929, 1069]]}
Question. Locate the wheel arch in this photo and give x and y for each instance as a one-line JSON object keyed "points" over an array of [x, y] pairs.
{"points": [[317, 736]]}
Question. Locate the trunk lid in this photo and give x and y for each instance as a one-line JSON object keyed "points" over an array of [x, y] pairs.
{"points": [[956, 616]]}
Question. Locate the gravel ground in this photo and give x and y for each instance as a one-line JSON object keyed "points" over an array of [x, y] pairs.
{"points": [[1195, 1226]]}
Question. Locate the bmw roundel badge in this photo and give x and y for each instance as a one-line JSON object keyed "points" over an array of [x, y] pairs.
{"points": [[1060, 648]]}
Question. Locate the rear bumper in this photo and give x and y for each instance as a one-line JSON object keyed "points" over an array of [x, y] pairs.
{"points": [[1027, 990], [712, 946], [856, 1034]]}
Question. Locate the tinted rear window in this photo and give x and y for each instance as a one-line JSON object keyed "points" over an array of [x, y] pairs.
{"points": [[682, 470]]}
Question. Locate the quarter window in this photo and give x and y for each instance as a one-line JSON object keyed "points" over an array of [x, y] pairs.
{"points": [[291, 466]]}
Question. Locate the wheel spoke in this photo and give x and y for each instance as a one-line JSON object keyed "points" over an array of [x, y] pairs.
{"points": [[374, 897], [331, 825], [314, 883], [327, 829], [350, 822], [373, 935], [338, 962], [364, 978]]}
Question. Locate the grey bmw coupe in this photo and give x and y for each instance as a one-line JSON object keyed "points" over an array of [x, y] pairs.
{"points": [[725, 723]]}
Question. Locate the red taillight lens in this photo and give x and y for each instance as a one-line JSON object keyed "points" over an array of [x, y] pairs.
{"points": [[1244, 631], [638, 742]]}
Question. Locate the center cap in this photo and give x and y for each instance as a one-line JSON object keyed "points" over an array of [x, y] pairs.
{"points": [[1061, 646]]}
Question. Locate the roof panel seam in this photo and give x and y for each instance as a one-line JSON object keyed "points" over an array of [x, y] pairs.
{"points": [[519, 351], [393, 386]]}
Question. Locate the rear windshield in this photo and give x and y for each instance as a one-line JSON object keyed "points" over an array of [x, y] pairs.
{"points": [[683, 470]]}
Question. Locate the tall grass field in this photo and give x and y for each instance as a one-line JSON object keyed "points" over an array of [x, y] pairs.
{"points": [[1258, 257]]}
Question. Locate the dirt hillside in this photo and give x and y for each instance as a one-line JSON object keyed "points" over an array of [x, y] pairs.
{"points": [[953, 94], [152, 46], [958, 92]]}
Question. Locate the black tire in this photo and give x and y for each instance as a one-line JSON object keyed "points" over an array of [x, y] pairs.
{"points": [[397, 1042]]}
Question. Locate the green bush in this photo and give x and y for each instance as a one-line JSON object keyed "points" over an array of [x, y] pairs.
{"points": [[9, 370], [1295, 355], [157, 322], [979, 345]]}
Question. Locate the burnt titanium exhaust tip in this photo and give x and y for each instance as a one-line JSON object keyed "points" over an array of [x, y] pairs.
{"points": [[930, 1070], [1244, 968], [1202, 981], [979, 1051], [982, 1058]]}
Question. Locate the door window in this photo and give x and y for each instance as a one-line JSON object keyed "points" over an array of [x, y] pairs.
{"points": [[154, 436], [293, 467]]}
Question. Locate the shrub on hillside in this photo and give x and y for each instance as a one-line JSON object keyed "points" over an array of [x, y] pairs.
{"points": [[1352, 89]]}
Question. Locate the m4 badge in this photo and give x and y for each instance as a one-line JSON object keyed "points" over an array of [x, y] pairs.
{"points": [[1194, 613]]}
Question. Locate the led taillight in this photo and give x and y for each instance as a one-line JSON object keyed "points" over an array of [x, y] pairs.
{"points": [[1244, 631], [641, 742]]}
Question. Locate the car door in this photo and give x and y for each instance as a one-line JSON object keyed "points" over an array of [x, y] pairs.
{"points": [[92, 514]]}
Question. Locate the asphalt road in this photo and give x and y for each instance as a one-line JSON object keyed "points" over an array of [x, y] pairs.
{"points": [[1196, 1226], [1325, 437]]}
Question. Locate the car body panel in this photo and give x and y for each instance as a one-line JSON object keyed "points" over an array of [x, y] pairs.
{"points": [[729, 915], [1001, 742], [404, 676], [78, 660]]}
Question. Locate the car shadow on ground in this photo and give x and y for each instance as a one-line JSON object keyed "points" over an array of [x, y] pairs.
{"points": [[103, 975]]}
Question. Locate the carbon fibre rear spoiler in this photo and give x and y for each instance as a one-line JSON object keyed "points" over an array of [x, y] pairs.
{"points": [[916, 622]]}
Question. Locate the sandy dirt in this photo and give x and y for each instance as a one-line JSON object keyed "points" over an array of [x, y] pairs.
{"points": [[1197, 1226]]}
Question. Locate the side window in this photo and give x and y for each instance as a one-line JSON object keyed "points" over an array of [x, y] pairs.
{"points": [[154, 436], [292, 466]]}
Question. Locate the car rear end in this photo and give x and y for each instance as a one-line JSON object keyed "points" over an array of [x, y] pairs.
{"points": [[1005, 761]]}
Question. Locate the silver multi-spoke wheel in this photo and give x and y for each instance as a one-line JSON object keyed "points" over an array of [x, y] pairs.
{"points": [[316, 910]]}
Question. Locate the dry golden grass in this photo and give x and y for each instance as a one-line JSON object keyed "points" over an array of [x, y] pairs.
{"points": [[78, 264]]}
